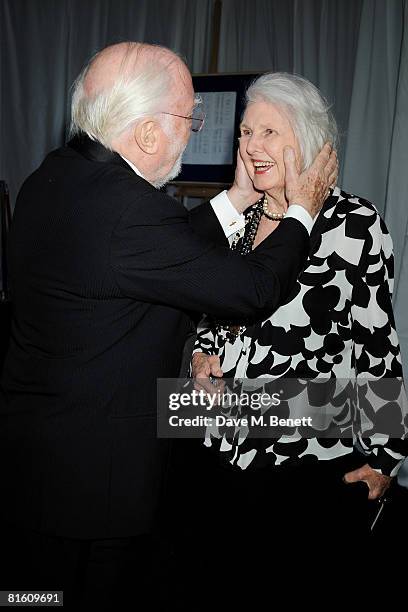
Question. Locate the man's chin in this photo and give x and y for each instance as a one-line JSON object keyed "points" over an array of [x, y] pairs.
{"points": [[174, 172]]}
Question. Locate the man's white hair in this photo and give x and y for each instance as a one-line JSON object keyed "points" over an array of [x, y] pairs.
{"points": [[307, 110], [141, 88]]}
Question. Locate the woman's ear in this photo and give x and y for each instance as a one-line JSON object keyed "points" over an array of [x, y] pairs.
{"points": [[147, 135]]}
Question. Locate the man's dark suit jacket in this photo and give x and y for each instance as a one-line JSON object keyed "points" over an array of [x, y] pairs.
{"points": [[105, 273]]}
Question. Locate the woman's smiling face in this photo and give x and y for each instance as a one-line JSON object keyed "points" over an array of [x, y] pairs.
{"points": [[265, 131]]}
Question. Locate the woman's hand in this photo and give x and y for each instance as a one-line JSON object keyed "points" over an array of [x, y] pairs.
{"points": [[242, 193], [377, 483], [203, 366]]}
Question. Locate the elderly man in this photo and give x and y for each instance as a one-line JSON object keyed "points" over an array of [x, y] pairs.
{"points": [[106, 275]]}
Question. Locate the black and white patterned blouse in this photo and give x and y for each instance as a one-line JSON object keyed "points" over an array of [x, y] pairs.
{"points": [[337, 322]]}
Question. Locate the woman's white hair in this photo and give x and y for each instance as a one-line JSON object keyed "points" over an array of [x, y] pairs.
{"points": [[141, 88], [307, 110]]}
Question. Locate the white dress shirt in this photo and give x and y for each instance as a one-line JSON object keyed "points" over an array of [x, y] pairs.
{"points": [[232, 222]]}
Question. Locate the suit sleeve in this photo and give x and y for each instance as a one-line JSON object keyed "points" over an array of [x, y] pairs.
{"points": [[156, 257], [381, 398], [204, 223]]}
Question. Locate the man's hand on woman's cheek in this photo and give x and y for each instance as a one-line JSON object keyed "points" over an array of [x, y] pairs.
{"points": [[310, 188], [242, 193]]}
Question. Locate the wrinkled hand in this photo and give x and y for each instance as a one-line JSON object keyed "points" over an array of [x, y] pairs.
{"points": [[204, 366], [311, 187], [377, 483], [242, 193]]}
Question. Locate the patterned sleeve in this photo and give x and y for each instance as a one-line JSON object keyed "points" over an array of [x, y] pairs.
{"points": [[382, 400], [206, 334], [205, 341]]}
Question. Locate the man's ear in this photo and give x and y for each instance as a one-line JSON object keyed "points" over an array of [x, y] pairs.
{"points": [[147, 135]]}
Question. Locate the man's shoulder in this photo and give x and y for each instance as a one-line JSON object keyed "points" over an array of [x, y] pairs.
{"points": [[106, 183], [67, 190], [113, 173], [104, 189]]}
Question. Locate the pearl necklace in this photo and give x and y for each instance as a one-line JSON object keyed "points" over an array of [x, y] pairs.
{"points": [[274, 216]]}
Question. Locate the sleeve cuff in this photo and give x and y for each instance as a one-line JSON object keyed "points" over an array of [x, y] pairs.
{"points": [[231, 221], [298, 212]]}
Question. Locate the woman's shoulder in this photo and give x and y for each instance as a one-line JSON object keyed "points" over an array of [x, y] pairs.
{"points": [[357, 211], [353, 214], [351, 203]]}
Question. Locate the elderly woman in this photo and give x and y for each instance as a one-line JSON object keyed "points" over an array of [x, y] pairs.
{"points": [[337, 323]]}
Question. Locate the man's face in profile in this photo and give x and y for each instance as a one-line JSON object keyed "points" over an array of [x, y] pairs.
{"points": [[177, 135]]}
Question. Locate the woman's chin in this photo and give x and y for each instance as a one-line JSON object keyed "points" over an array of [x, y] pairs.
{"points": [[263, 183]]}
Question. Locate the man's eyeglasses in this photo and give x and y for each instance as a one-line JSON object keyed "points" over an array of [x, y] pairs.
{"points": [[197, 119]]}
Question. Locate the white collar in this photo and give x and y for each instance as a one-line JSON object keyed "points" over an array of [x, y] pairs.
{"points": [[133, 167]]}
